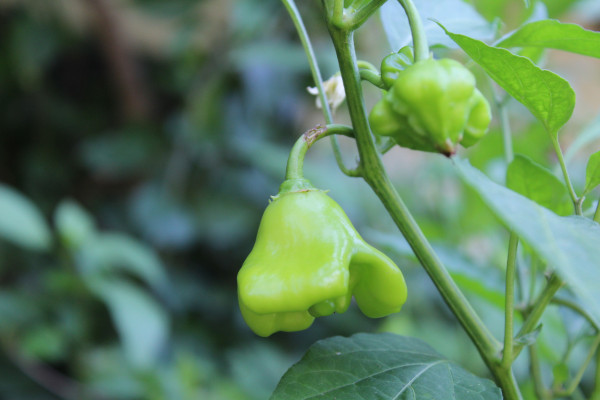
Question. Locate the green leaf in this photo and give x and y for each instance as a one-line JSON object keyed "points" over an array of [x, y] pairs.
{"points": [[538, 184], [21, 222], [592, 173], [110, 252], [379, 366], [530, 337], [74, 224], [141, 322], [548, 97], [569, 245], [554, 34]]}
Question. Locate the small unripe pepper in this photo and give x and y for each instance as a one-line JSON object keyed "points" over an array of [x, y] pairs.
{"points": [[309, 261], [432, 105]]}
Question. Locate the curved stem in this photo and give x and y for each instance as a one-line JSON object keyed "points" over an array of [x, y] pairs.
{"points": [[506, 132], [596, 393], [578, 309], [375, 175], [577, 378], [372, 77], [534, 316], [534, 369], [316, 74], [563, 167], [416, 28], [310, 55], [295, 164], [509, 303]]}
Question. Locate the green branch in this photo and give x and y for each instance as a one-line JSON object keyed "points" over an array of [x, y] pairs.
{"points": [[375, 175], [577, 378], [535, 314], [509, 302], [419, 37], [316, 74]]}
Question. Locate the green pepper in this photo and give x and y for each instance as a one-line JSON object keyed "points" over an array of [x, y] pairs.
{"points": [[393, 64], [308, 261], [433, 105]]}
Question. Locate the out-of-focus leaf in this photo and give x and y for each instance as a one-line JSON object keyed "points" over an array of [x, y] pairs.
{"points": [[568, 245], [261, 382], [457, 15], [549, 97], [106, 370], [21, 222], [16, 309], [123, 153], [372, 366], [589, 134], [45, 343], [115, 251], [538, 184], [554, 34], [163, 221], [74, 224], [592, 175], [142, 323]]}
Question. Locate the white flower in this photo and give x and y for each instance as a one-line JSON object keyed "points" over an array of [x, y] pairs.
{"points": [[334, 90]]}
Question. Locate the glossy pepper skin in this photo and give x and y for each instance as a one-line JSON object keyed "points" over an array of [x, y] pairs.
{"points": [[308, 261], [433, 105]]}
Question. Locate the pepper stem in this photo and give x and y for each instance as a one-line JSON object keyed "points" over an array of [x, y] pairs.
{"points": [[416, 27], [294, 174]]}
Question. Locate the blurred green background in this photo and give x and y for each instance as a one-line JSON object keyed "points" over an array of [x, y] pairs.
{"points": [[140, 141]]}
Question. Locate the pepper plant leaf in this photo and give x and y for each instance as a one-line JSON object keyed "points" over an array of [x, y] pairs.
{"points": [[21, 222], [142, 323], [456, 14], [548, 97], [538, 184], [592, 173], [376, 366], [568, 245], [554, 34]]}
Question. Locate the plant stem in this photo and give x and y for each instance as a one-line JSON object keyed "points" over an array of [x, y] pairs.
{"points": [[416, 29], [316, 74], [534, 316], [375, 175], [563, 167], [597, 213], [372, 77], [578, 309], [596, 393], [577, 378], [509, 303], [295, 164], [506, 132], [364, 12], [534, 368]]}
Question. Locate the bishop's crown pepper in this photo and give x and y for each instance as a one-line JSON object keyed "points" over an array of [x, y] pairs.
{"points": [[431, 105], [308, 261]]}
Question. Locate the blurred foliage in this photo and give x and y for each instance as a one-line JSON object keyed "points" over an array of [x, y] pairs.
{"points": [[140, 141]]}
